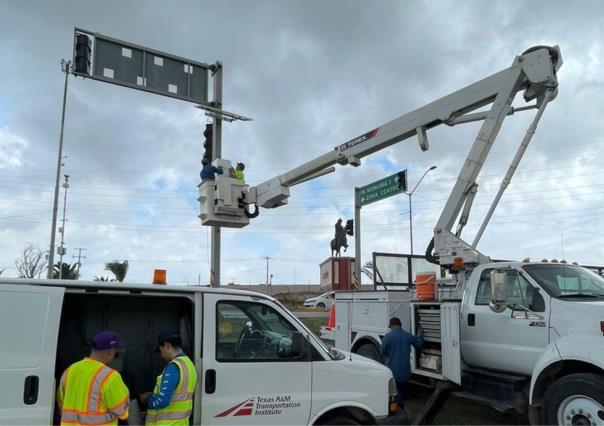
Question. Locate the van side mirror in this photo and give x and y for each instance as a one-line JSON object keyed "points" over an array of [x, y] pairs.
{"points": [[498, 302]]}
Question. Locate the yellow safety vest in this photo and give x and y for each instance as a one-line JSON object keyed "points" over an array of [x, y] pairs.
{"points": [[181, 403], [90, 393], [239, 175]]}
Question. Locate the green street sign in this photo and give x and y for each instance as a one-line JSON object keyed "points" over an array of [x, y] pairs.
{"points": [[383, 188]]}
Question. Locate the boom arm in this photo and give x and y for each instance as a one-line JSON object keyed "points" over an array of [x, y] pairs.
{"points": [[534, 72]]}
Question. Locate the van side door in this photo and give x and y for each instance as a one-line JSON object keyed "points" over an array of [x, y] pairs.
{"points": [[29, 326], [253, 370]]}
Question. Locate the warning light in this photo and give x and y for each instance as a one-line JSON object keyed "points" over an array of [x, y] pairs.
{"points": [[159, 276]]}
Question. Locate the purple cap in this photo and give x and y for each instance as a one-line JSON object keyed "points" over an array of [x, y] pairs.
{"points": [[107, 340]]}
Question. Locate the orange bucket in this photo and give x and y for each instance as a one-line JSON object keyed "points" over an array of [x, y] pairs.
{"points": [[425, 285]]}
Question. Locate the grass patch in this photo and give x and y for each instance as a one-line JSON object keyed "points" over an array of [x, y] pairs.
{"points": [[314, 324]]}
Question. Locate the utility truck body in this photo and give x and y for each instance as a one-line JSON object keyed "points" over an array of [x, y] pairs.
{"points": [[539, 344]]}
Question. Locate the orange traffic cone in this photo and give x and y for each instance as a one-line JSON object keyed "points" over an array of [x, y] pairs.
{"points": [[331, 320]]}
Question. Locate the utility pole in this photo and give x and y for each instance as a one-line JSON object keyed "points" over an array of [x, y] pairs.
{"points": [[216, 153], [62, 247], [267, 259], [66, 67], [80, 257]]}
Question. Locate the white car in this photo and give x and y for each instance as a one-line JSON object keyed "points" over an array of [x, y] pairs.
{"points": [[323, 301]]}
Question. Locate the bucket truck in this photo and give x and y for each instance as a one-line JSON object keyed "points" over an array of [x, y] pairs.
{"points": [[520, 335]]}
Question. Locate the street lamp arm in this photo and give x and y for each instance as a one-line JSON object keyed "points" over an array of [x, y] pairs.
{"points": [[420, 180]]}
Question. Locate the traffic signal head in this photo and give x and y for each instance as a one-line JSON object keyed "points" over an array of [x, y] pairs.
{"points": [[401, 180], [208, 140], [82, 54], [349, 227]]}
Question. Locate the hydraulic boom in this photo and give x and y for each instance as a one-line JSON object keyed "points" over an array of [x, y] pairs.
{"points": [[534, 72]]}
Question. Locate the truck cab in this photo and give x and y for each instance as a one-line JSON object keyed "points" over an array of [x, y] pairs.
{"points": [[256, 362]]}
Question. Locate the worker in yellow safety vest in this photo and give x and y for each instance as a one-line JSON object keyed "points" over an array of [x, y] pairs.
{"points": [[90, 392], [171, 402]]}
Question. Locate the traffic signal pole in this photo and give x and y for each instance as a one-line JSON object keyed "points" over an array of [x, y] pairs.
{"points": [[357, 235], [216, 153]]}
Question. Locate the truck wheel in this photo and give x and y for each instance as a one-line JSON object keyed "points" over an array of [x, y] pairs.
{"points": [[576, 399], [368, 350], [321, 306], [341, 420]]}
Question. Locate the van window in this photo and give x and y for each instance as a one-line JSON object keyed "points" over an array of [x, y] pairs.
{"points": [[252, 331]]}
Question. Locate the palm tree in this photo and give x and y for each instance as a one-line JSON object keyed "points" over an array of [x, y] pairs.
{"points": [[102, 278], [68, 272], [119, 269]]}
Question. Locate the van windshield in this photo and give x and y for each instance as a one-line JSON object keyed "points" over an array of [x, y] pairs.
{"points": [[568, 281]]}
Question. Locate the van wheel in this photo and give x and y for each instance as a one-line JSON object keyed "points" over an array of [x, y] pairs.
{"points": [[321, 305], [368, 350], [576, 399], [341, 420]]}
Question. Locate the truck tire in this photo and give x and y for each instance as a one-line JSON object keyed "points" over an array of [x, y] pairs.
{"points": [[576, 399], [321, 305], [341, 420], [369, 350]]}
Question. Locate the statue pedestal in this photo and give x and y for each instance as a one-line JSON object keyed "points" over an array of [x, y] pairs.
{"points": [[337, 273]]}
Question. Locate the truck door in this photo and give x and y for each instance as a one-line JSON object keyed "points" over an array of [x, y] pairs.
{"points": [[509, 340], [251, 374], [29, 326]]}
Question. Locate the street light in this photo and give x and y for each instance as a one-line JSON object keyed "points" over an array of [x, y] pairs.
{"points": [[410, 193]]}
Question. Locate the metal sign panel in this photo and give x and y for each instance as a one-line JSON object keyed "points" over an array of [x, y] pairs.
{"points": [[381, 189], [126, 64]]}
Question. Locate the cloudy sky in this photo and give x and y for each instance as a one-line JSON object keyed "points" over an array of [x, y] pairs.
{"points": [[312, 74]]}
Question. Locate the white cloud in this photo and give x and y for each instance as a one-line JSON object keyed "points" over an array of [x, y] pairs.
{"points": [[312, 75]]}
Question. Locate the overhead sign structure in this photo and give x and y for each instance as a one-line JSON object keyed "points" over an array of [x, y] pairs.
{"points": [[383, 188], [126, 64]]}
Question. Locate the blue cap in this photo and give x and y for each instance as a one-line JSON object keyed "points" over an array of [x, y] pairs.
{"points": [[171, 337], [107, 340]]}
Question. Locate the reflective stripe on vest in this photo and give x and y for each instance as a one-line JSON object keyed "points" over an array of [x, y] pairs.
{"points": [[179, 409], [72, 416], [94, 392]]}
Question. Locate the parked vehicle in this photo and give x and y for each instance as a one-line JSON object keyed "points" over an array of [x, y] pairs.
{"points": [[257, 363], [521, 335], [322, 301]]}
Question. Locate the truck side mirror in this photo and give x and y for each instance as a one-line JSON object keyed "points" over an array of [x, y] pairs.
{"points": [[498, 301]]}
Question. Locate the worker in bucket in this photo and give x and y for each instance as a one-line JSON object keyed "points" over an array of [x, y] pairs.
{"points": [[396, 351], [172, 400], [90, 392], [208, 171], [237, 172]]}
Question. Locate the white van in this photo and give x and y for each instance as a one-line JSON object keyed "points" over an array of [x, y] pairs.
{"points": [[257, 363]]}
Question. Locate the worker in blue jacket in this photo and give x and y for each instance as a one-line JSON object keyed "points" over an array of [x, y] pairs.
{"points": [[396, 351], [208, 171]]}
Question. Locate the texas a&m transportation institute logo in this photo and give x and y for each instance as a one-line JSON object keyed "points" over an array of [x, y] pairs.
{"points": [[261, 406]]}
